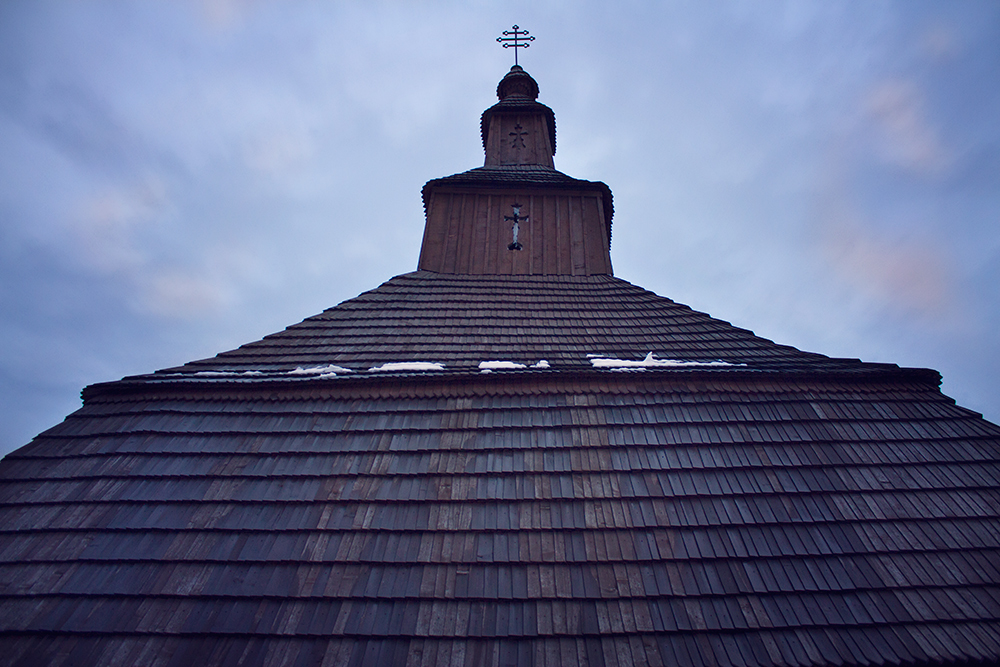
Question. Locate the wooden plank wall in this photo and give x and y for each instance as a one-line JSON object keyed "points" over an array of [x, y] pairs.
{"points": [[564, 234]]}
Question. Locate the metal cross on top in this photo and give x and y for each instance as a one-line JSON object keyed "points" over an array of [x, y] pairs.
{"points": [[516, 38]]}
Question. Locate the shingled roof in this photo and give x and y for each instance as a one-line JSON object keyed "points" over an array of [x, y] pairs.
{"points": [[459, 321], [401, 480]]}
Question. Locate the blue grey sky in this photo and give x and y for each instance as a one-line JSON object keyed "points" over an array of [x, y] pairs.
{"points": [[179, 178]]}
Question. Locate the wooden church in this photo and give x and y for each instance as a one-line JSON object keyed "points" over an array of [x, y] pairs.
{"points": [[507, 457]]}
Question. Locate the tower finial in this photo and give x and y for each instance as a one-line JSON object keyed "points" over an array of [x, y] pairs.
{"points": [[516, 38]]}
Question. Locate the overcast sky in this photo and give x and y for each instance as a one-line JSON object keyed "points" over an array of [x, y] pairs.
{"points": [[179, 178]]}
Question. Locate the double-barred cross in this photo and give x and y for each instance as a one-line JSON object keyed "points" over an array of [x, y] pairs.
{"points": [[516, 38]]}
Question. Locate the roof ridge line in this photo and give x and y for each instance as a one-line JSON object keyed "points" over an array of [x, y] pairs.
{"points": [[545, 381]]}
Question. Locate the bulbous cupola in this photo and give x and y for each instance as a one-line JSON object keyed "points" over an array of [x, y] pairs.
{"points": [[517, 130], [518, 83], [517, 215]]}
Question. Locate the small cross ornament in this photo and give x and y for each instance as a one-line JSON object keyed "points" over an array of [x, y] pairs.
{"points": [[518, 137]]}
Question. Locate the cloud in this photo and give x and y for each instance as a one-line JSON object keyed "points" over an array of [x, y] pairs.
{"points": [[291, 162], [115, 234], [176, 294], [903, 136], [107, 226], [912, 275], [939, 42], [279, 149], [226, 14]]}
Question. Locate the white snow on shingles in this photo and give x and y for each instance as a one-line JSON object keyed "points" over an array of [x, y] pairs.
{"points": [[322, 371], [500, 365], [652, 362], [225, 374], [490, 366], [408, 366]]}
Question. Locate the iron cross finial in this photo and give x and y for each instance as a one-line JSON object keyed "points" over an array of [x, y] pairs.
{"points": [[516, 38]]}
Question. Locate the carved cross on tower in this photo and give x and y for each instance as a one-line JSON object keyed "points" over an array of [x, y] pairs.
{"points": [[518, 137], [516, 38], [516, 218]]}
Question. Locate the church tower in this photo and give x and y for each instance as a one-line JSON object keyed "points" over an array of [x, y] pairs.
{"points": [[563, 224]]}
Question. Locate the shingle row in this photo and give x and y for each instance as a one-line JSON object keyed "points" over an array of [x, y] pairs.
{"points": [[590, 578]]}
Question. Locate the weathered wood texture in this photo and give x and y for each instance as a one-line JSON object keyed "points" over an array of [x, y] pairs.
{"points": [[519, 138], [518, 130], [564, 233], [735, 525]]}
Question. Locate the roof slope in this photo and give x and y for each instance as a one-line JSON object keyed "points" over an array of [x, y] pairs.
{"points": [[604, 519], [798, 510], [460, 321]]}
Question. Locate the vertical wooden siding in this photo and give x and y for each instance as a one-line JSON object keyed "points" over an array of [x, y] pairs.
{"points": [[565, 233]]}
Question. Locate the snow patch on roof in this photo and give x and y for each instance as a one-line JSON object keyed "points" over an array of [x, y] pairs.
{"points": [[490, 366], [321, 371], [408, 366], [500, 365], [225, 374], [652, 362]]}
